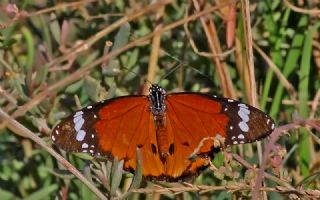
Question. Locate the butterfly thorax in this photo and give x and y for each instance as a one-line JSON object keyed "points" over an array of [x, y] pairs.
{"points": [[157, 95], [157, 98]]}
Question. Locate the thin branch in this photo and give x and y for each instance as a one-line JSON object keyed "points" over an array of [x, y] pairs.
{"points": [[61, 6], [301, 10], [249, 78], [8, 96], [202, 53]]}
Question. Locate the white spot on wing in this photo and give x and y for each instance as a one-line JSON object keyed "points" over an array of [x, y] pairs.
{"points": [[53, 138], [79, 124], [245, 110], [80, 135], [89, 107], [272, 126], [85, 145], [77, 114], [77, 118], [244, 116], [244, 126], [57, 132], [243, 105], [241, 136], [230, 100], [235, 142]]}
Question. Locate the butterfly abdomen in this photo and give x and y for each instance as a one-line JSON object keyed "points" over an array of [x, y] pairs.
{"points": [[162, 137]]}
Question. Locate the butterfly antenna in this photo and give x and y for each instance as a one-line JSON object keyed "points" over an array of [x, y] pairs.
{"points": [[185, 64], [129, 70], [171, 71]]}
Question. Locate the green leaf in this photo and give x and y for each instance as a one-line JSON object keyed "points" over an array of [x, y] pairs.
{"points": [[43, 193], [5, 195], [116, 175], [304, 78], [92, 87], [289, 66], [55, 27], [138, 173], [122, 36], [73, 88]]}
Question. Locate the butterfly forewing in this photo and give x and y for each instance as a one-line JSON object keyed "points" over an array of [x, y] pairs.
{"points": [[235, 121], [76, 133], [246, 123], [86, 130]]}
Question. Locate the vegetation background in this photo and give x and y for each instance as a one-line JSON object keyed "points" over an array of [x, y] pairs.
{"points": [[59, 56]]}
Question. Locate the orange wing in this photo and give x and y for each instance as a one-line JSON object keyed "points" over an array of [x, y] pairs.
{"points": [[196, 121], [113, 128], [127, 124], [193, 123]]}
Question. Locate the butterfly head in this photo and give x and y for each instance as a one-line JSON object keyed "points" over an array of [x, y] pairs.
{"points": [[157, 95]]}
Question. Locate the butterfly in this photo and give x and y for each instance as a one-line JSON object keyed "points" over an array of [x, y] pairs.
{"points": [[176, 133]]}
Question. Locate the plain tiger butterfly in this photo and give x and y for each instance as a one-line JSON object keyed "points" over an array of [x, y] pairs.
{"points": [[176, 133]]}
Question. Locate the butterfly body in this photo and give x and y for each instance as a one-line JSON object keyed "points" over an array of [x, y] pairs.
{"points": [[175, 133], [156, 99]]}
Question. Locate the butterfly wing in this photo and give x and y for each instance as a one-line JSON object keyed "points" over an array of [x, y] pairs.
{"points": [[206, 115], [113, 128], [195, 120]]}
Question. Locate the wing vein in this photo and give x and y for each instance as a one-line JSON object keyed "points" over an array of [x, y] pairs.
{"points": [[135, 129], [130, 109], [117, 135], [174, 112], [186, 105]]}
